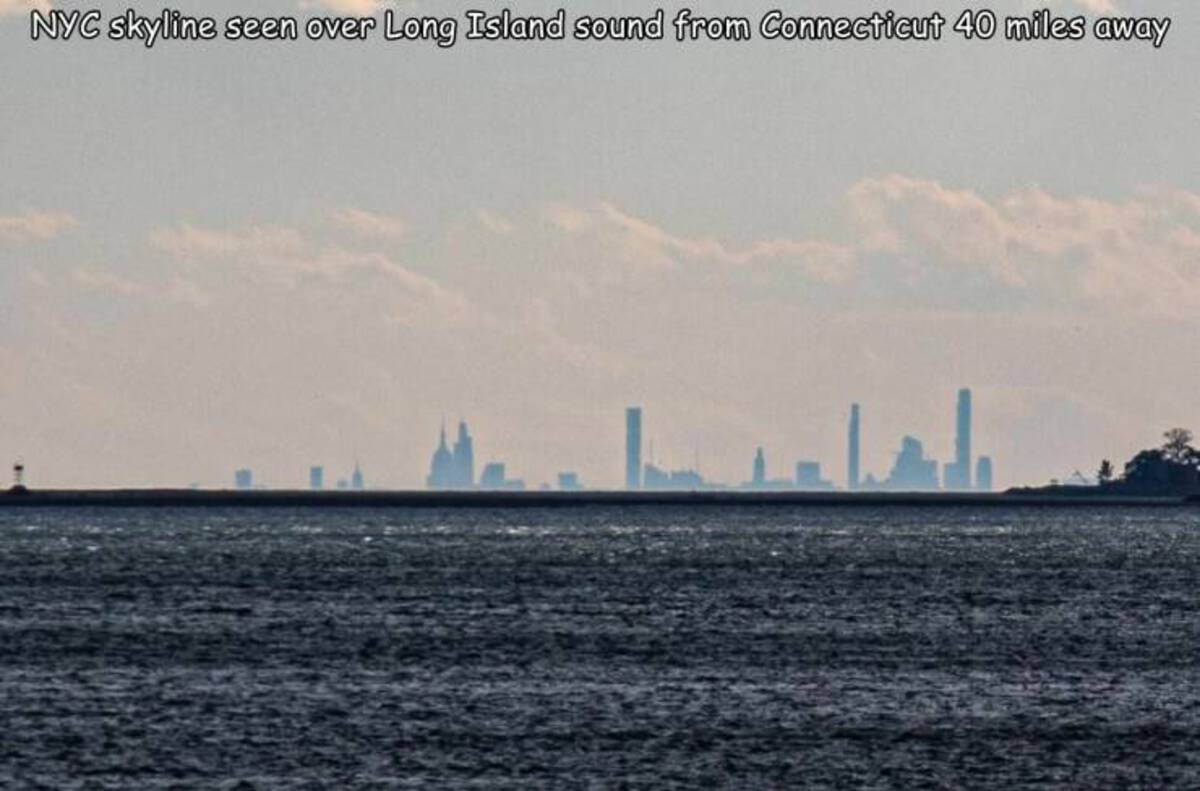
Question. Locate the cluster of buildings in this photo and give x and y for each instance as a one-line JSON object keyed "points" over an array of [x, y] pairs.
{"points": [[244, 479], [912, 471], [452, 467], [649, 477]]}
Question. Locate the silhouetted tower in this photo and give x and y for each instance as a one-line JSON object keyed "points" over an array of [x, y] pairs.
{"points": [[18, 475], [316, 478], [356, 478], [633, 448], [852, 473], [962, 441], [912, 472], [983, 474], [464, 459], [760, 469], [441, 467]]}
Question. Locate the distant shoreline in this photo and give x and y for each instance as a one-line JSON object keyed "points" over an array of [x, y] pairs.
{"points": [[193, 498]]}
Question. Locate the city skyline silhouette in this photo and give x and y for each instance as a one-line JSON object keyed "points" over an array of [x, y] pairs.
{"points": [[452, 466], [274, 256]]}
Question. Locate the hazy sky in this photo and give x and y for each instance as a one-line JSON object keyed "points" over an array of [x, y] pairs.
{"points": [[274, 255]]}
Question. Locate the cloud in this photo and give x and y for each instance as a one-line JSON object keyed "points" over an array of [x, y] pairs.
{"points": [[1139, 255], [369, 224], [284, 256], [566, 218], [820, 260], [188, 241], [919, 245], [8, 7], [34, 226], [361, 287], [643, 244], [178, 290], [494, 222]]}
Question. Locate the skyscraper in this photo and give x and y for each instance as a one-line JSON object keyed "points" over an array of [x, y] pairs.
{"points": [[912, 472], [962, 444], [958, 474], [759, 480], [852, 472], [356, 479], [633, 448], [243, 479], [441, 467], [453, 469], [494, 476], [808, 477], [316, 478], [464, 459], [983, 474]]}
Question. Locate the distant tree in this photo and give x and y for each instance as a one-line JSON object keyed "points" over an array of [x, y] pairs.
{"points": [[1105, 473], [1178, 446], [1148, 472], [1153, 472]]}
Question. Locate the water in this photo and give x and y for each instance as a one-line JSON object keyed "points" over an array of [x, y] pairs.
{"points": [[606, 647]]}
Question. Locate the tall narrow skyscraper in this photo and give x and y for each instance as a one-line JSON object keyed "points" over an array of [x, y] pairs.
{"points": [[759, 479], [633, 448], [441, 468], [464, 458], [852, 473], [958, 475], [962, 444]]}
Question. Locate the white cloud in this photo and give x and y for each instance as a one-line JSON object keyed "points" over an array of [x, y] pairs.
{"points": [[1139, 255], [188, 241], [177, 290], [370, 225], [920, 245], [645, 245], [284, 256], [34, 226]]}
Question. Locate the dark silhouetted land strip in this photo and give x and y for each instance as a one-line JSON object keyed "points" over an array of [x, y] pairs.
{"points": [[188, 498]]}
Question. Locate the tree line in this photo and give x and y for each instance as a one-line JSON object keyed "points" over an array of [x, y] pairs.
{"points": [[1170, 470]]}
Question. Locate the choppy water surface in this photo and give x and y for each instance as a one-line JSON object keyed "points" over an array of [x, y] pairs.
{"points": [[604, 647]]}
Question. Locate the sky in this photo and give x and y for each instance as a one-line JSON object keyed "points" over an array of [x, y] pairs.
{"points": [[272, 255]]}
